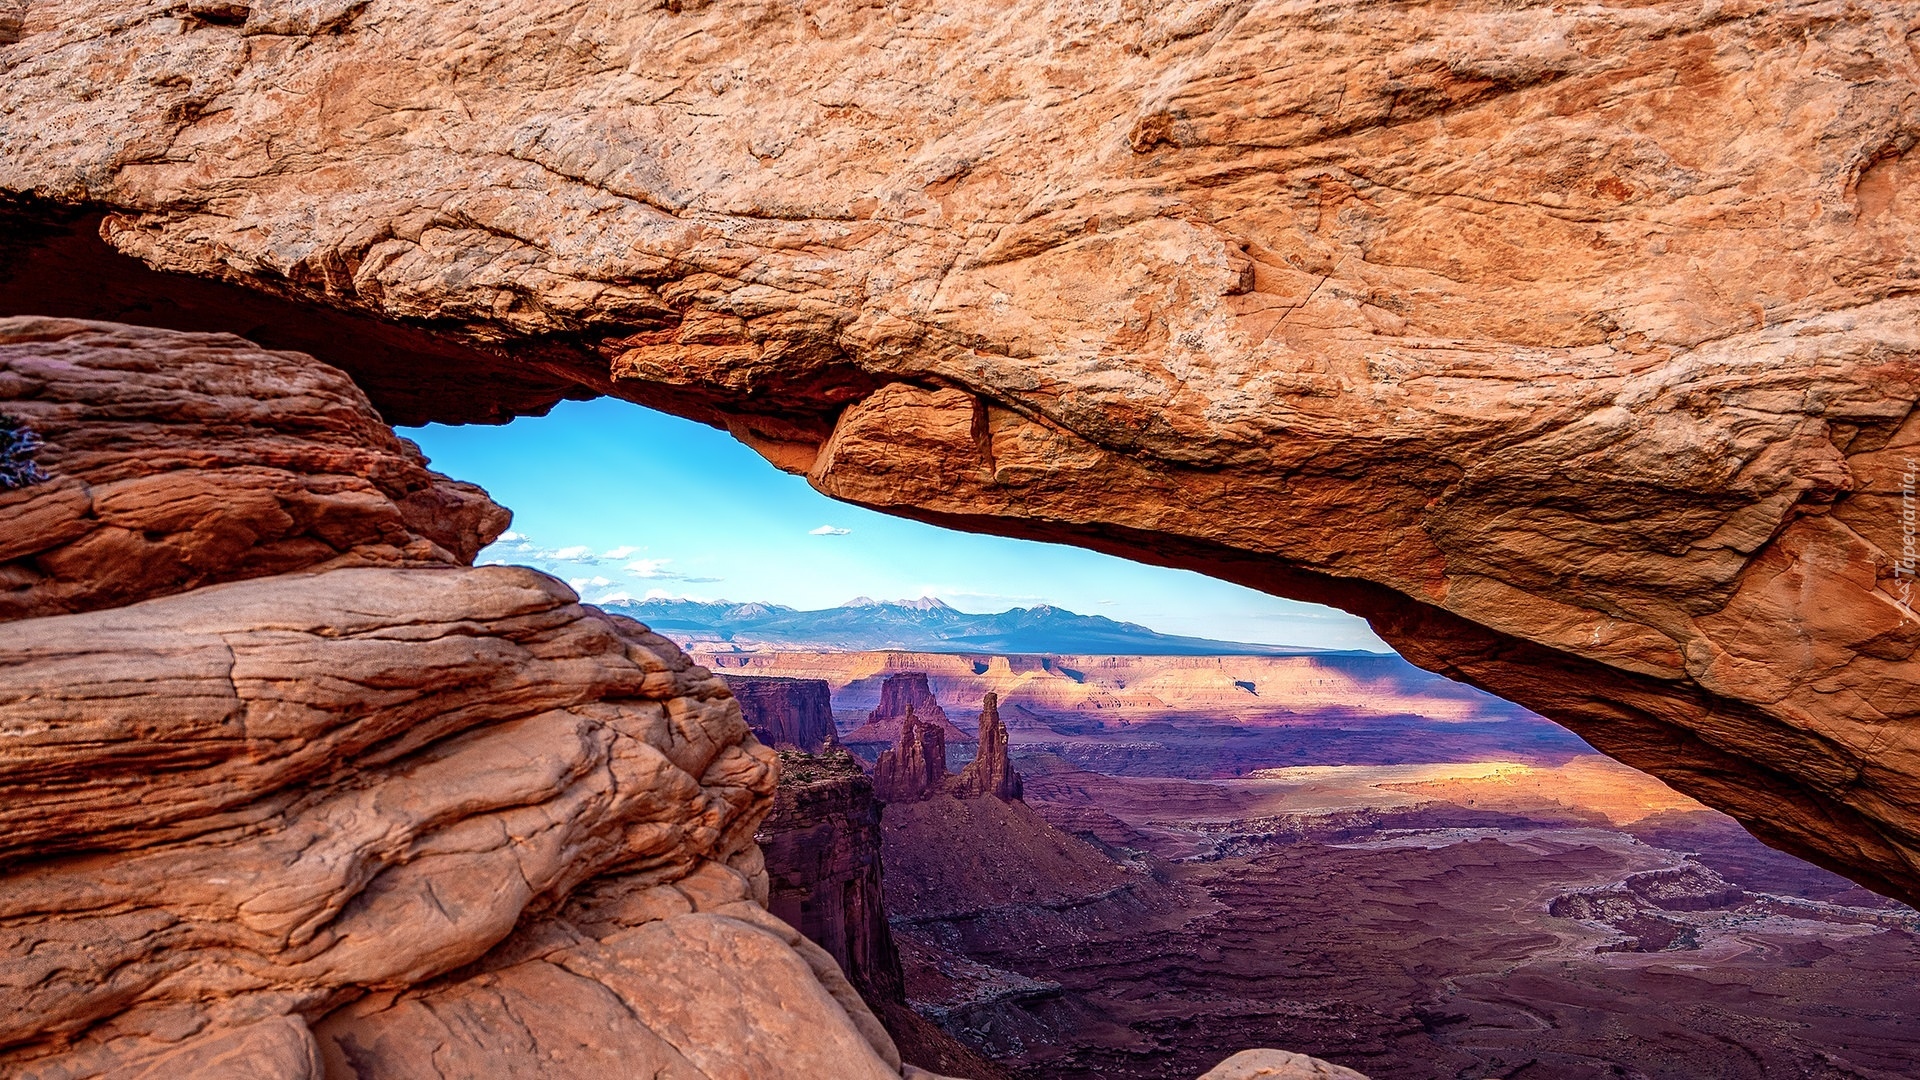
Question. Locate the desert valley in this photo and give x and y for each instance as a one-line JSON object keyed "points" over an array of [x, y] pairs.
{"points": [[1339, 854]]}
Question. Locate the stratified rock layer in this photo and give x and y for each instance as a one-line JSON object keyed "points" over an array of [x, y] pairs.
{"points": [[175, 461], [916, 766], [821, 844], [1574, 346], [796, 713], [361, 821], [989, 773], [905, 693]]}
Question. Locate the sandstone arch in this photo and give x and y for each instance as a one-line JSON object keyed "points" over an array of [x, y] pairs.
{"points": [[1577, 349]]}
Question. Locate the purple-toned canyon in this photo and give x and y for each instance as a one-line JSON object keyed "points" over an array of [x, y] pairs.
{"points": [[792, 714], [1342, 856]]}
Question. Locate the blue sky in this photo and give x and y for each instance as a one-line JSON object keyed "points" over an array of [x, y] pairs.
{"points": [[622, 500]]}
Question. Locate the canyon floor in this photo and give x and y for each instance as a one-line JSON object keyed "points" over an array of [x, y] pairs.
{"points": [[1413, 897]]}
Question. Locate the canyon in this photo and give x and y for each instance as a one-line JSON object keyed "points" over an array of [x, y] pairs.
{"points": [[1548, 913], [295, 791], [1574, 347], [1571, 346]]}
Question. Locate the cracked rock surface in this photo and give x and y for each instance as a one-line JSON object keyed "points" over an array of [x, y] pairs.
{"points": [[175, 461], [385, 815], [1572, 345]]}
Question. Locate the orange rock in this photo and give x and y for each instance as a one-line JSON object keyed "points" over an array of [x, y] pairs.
{"points": [[177, 460], [368, 820], [1572, 346]]}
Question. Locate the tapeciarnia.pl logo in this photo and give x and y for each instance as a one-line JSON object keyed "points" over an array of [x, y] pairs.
{"points": [[1904, 568]]}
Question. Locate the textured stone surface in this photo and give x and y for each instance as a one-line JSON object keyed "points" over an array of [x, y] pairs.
{"points": [[690, 980], [915, 766], [245, 838], [821, 844], [368, 821], [989, 773], [1277, 1065], [904, 693], [181, 460], [796, 713], [1573, 345]]}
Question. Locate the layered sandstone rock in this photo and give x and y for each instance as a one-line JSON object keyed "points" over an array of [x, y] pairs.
{"points": [[905, 693], [370, 821], [1278, 1065], [1572, 345], [989, 773], [796, 713], [821, 844], [915, 766], [1121, 685], [177, 460]]}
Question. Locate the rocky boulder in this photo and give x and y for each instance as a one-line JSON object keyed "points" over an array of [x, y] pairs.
{"points": [[383, 816], [177, 460]]}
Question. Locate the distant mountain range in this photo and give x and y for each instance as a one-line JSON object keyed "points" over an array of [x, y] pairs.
{"points": [[923, 625]]}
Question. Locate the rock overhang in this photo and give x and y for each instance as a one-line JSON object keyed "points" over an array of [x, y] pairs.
{"points": [[1574, 348]]}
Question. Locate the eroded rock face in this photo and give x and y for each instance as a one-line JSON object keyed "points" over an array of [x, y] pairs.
{"points": [[369, 821], [821, 845], [1573, 346], [905, 693], [916, 766], [989, 773], [1278, 1065], [487, 773], [177, 460], [796, 713]]}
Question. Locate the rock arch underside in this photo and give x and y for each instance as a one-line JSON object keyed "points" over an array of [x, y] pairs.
{"points": [[1576, 347]]}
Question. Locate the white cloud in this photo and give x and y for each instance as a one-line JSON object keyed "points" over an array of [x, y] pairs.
{"points": [[828, 530], [519, 549]]}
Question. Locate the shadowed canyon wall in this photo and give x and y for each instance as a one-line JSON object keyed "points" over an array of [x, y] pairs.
{"points": [[796, 713], [1574, 347], [822, 849]]}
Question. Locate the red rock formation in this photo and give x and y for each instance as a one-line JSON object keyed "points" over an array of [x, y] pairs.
{"points": [[1459, 319], [796, 713], [903, 693], [177, 461], [822, 846], [916, 766], [384, 821], [822, 849], [989, 773]]}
